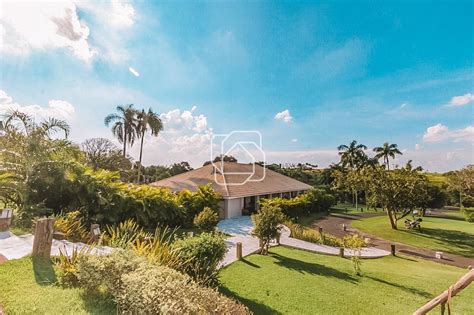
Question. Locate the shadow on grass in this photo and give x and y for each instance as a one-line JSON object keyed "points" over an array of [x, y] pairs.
{"points": [[255, 306], [251, 264], [311, 268], [99, 303], [44, 271], [456, 242], [402, 287]]}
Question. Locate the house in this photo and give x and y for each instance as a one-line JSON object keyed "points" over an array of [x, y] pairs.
{"points": [[237, 194]]}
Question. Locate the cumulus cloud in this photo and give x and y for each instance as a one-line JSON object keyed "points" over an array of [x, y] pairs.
{"points": [[41, 26], [56, 108], [186, 136], [461, 100], [133, 71], [440, 132], [284, 116]]}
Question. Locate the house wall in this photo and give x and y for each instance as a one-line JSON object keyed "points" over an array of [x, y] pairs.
{"points": [[233, 207]]}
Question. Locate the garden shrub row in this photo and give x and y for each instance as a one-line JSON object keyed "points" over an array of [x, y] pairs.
{"points": [[141, 287], [314, 200]]}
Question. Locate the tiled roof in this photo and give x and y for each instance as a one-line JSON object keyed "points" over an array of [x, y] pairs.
{"points": [[230, 182]]}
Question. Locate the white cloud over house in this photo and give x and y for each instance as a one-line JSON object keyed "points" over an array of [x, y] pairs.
{"points": [[284, 116], [461, 100], [440, 132], [55, 108], [133, 71]]}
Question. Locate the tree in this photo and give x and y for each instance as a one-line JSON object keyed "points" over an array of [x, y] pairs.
{"points": [[267, 223], [387, 151], [462, 182], [352, 154], [398, 192], [124, 125], [178, 168], [225, 158], [146, 121], [104, 154]]}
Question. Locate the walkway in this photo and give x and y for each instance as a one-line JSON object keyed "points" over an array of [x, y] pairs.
{"points": [[240, 228], [15, 247], [333, 225]]}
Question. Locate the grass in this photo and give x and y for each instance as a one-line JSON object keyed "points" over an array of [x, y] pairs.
{"points": [[451, 235], [291, 281], [349, 208], [29, 286]]}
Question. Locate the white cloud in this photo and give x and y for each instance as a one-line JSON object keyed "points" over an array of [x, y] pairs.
{"points": [[133, 71], [56, 108], [294, 140], [418, 146], [28, 26], [440, 132], [461, 100], [284, 116], [403, 105], [41, 26]]}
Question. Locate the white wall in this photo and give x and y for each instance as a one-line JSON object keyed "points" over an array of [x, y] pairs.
{"points": [[233, 207]]}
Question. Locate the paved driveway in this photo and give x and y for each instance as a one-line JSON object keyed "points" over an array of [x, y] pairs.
{"points": [[236, 226]]}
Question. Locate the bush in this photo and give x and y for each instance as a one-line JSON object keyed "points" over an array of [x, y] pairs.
{"points": [[267, 223], [314, 200], [68, 266], [141, 287], [72, 225], [201, 255], [206, 220], [310, 235], [193, 203], [468, 214], [124, 234]]}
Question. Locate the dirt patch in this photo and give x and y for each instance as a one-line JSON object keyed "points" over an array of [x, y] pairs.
{"points": [[2, 260]]}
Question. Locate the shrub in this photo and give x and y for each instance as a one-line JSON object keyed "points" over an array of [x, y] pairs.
{"points": [[267, 223], [468, 214], [124, 234], [193, 203], [353, 241], [310, 235], [72, 225], [206, 220], [141, 287], [201, 255], [67, 266]]}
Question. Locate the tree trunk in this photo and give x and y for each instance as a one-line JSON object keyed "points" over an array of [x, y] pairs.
{"points": [[140, 159], [393, 222], [356, 199], [460, 200], [124, 145], [388, 164]]}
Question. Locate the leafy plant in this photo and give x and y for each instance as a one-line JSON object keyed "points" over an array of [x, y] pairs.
{"points": [[206, 220], [124, 234], [72, 225], [468, 214], [267, 223], [67, 265]]}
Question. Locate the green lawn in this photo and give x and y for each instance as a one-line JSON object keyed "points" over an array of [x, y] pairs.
{"points": [[30, 287], [351, 209], [290, 281], [449, 235]]}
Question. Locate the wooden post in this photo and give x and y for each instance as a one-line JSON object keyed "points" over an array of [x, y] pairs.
{"points": [[43, 237], [341, 252], [392, 249], [320, 230], [278, 238], [239, 250], [260, 242], [95, 232]]}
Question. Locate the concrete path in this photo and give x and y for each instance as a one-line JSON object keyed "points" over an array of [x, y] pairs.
{"points": [[15, 247], [240, 228]]}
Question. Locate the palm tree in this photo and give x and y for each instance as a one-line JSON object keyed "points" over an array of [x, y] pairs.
{"points": [[352, 154], [146, 121], [386, 152], [124, 125]]}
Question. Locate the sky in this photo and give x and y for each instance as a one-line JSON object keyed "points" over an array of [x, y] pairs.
{"points": [[305, 76]]}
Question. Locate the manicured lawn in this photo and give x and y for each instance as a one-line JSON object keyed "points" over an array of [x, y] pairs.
{"points": [[449, 235], [351, 209], [290, 281], [30, 287]]}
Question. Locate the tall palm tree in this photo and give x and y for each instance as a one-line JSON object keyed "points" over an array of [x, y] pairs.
{"points": [[146, 121], [352, 154], [124, 126], [387, 151]]}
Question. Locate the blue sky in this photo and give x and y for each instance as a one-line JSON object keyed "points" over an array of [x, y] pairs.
{"points": [[307, 76]]}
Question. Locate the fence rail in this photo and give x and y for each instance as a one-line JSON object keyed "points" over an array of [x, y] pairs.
{"points": [[445, 297]]}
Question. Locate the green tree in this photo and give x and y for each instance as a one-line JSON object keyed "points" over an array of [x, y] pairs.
{"points": [[387, 151], [146, 121], [352, 154], [124, 125], [267, 223], [462, 182]]}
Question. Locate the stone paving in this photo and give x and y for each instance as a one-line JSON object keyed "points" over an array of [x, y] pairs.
{"points": [[15, 247], [240, 230]]}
